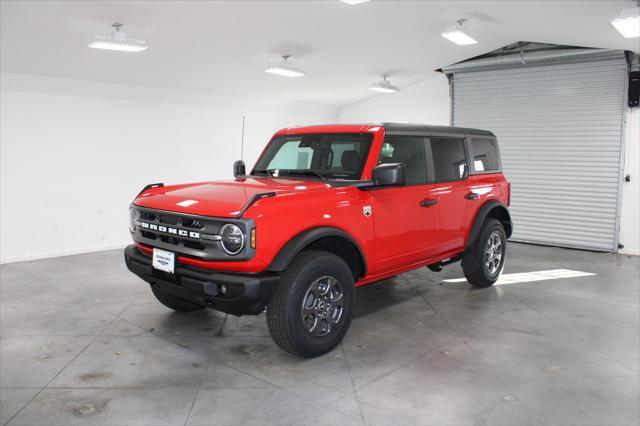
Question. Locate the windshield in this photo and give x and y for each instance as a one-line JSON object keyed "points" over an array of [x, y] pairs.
{"points": [[319, 155]]}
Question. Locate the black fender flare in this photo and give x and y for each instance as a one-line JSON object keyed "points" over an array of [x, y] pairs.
{"points": [[491, 208], [304, 239]]}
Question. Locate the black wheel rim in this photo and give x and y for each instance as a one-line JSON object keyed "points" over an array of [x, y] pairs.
{"points": [[322, 306], [493, 253]]}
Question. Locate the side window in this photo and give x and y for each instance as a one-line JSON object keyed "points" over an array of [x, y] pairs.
{"points": [[449, 159], [485, 154], [407, 150]]}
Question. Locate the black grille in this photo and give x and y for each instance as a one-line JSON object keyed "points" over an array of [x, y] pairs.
{"points": [[145, 215], [149, 235], [169, 219], [194, 245], [162, 222], [181, 233], [192, 223], [171, 240]]}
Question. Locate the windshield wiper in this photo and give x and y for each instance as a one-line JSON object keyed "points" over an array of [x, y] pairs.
{"points": [[307, 172], [280, 172]]}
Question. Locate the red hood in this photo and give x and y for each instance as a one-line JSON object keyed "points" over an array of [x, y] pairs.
{"points": [[221, 198]]}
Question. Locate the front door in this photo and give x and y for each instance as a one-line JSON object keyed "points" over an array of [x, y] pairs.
{"points": [[405, 218]]}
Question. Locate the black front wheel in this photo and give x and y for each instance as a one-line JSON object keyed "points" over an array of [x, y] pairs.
{"points": [[484, 260], [312, 307]]}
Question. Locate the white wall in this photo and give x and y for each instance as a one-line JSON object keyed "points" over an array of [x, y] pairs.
{"points": [[630, 213], [74, 154], [426, 102]]}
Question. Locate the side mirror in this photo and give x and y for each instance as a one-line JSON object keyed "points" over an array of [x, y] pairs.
{"points": [[390, 174], [239, 169]]}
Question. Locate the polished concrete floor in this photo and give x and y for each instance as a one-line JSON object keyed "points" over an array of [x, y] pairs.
{"points": [[84, 342]]}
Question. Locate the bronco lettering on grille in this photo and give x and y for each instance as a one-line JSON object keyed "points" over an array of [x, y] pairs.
{"points": [[168, 230]]}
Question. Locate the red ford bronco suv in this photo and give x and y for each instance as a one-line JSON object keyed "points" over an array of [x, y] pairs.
{"points": [[326, 209]]}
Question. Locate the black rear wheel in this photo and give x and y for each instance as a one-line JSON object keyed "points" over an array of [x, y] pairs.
{"points": [[484, 260], [312, 307]]}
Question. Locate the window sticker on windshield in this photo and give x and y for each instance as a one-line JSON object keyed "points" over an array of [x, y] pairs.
{"points": [[387, 150]]}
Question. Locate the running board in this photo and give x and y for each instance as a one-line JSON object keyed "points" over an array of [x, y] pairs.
{"points": [[437, 267]]}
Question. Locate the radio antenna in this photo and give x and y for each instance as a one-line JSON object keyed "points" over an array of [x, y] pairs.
{"points": [[242, 141]]}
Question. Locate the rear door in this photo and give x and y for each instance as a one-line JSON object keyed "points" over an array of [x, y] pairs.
{"points": [[405, 219], [451, 189]]}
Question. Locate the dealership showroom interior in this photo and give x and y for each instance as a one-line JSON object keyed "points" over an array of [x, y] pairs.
{"points": [[320, 212]]}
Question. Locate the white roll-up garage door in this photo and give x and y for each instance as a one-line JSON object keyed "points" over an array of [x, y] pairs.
{"points": [[560, 130]]}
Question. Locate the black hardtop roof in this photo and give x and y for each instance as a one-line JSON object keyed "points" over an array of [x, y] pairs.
{"points": [[424, 128]]}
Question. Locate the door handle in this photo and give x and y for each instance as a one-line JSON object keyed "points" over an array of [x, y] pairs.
{"points": [[428, 202], [471, 196]]}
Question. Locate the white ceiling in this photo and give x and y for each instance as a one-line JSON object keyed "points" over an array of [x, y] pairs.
{"points": [[223, 46]]}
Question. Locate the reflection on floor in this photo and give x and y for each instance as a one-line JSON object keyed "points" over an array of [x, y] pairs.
{"points": [[525, 277]]}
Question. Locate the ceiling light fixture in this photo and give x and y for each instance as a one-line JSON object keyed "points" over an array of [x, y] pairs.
{"points": [[384, 86], [628, 22], [118, 41], [456, 35], [285, 68], [352, 2]]}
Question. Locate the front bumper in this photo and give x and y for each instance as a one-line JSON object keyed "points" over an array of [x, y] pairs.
{"points": [[245, 293]]}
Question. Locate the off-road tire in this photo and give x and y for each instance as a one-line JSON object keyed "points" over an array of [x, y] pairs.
{"points": [[284, 312], [473, 261], [173, 302]]}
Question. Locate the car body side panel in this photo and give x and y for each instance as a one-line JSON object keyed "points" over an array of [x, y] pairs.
{"points": [[452, 209], [341, 208], [404, 229], [489, 187]]}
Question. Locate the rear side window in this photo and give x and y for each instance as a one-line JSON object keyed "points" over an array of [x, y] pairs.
{"points": [[449, 159], [407, 150], [485, 155]]}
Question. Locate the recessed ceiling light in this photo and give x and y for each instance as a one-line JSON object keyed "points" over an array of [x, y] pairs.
{"points": [[285, 68], [384, 86], [352, 2], [118, 41], [628, 23], [458, 36]]}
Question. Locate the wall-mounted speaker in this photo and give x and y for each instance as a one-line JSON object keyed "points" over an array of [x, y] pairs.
{"points": [[634, 88]]}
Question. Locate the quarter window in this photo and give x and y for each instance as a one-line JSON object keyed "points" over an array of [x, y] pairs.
{"points": [[449, 159], [407, 150], [485, 154]]}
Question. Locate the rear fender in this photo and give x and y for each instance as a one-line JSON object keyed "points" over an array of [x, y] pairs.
{"points": [[491, 209]]}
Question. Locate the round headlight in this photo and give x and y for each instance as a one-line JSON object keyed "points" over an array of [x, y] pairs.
{"points": [[232, 239], [133, 217]]}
